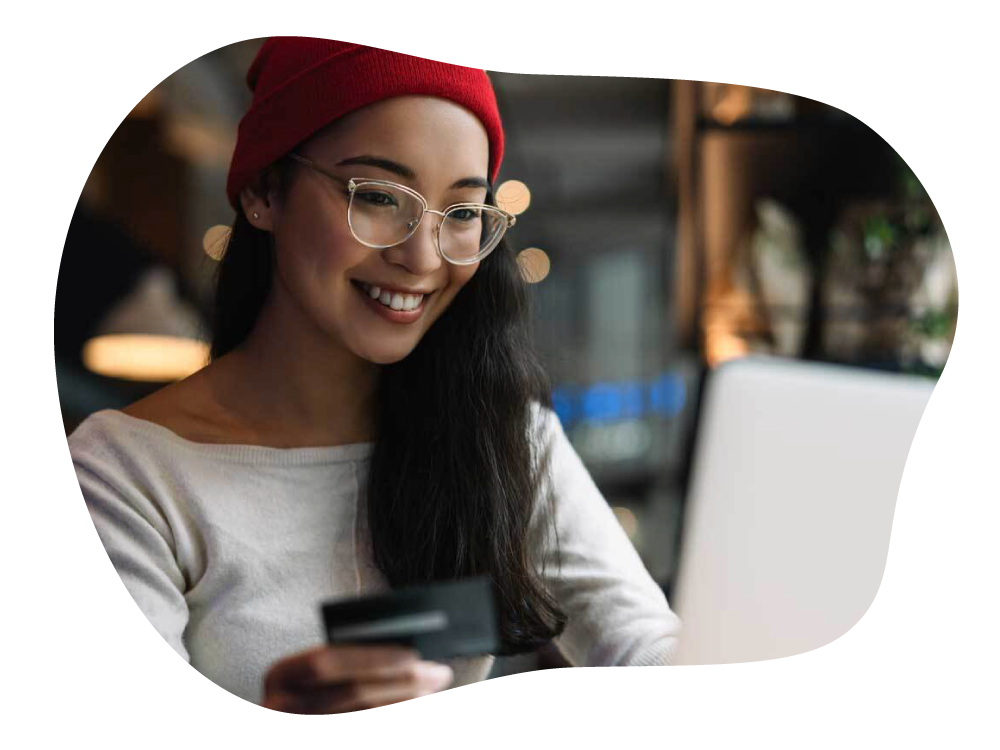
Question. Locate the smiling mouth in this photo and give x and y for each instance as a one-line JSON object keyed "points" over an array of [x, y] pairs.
{"points": [[377, 300], [395, 301]]}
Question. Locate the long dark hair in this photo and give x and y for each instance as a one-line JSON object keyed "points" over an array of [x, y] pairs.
{"points": [[455, 482]]}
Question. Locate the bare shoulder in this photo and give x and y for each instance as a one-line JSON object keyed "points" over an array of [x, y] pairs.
{"points": [[188, 408], [165, 405]]}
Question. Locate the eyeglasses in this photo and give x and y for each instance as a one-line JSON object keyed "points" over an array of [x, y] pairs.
{"points": [[383, 214]]}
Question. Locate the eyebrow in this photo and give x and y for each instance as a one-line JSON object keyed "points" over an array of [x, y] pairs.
{"points": [[403, 171]]}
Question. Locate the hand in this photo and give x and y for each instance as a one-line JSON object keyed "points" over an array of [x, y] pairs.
{"points": [[335, 679]]}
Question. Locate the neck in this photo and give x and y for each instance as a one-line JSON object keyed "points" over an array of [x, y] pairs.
{"points": [[295, 385]]}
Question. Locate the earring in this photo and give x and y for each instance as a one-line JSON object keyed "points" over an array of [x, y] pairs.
{"points": [[256, 215]]}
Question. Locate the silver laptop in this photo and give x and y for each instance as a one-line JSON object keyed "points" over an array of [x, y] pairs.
{"points": [[786, 531]]}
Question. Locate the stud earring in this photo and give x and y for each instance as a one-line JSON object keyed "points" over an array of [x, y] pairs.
{"points": [[256, 215]]}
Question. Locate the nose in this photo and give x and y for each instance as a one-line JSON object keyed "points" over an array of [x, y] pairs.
{"points": [[419, 253]]}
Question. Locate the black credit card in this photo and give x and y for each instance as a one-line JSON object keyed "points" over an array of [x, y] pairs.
{"points": [[440, 620]]}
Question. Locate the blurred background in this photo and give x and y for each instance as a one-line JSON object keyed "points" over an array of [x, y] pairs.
{"points": [[668, 226]]}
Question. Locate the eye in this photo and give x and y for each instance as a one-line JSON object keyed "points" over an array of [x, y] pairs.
{"points": [[372, 196], [469, 214]]}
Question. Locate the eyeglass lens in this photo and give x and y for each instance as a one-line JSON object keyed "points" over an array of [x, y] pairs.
{"points": [[383, 216]]}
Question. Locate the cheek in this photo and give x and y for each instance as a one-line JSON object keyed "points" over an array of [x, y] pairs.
{"points": [[312, 273], [313, 227], [338, 252]]}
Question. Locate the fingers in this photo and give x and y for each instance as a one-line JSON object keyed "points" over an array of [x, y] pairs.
{"points": [[422, 678], [325, 664], [332, 679]]}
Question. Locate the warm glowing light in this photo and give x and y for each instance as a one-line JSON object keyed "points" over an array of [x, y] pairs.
{"points": [[204, 144], [513, 196], [215, 240], [721, 345], [727, 312], [736, 104], [154, 359], [534, 263]]}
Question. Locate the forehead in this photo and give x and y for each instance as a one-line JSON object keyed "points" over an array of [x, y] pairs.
{"points": [[433, 136]]}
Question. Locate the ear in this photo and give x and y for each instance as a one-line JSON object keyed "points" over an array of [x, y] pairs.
{"points": [[258, 203]]}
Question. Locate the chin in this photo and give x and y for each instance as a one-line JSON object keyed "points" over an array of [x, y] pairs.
{"points": [[386, 356]]}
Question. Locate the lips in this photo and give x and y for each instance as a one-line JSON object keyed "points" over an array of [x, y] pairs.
{"points": [[397, 316]]}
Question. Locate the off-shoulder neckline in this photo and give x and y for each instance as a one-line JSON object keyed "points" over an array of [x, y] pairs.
{"points": [[256, 454]]}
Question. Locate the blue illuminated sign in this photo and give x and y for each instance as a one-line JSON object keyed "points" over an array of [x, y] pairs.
{"points": [[663, 396]]}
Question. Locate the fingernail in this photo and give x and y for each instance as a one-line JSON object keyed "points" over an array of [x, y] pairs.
{"points": [[440, 674]]}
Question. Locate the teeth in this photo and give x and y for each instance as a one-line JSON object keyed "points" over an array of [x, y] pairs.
{"points": [[395, 300]]}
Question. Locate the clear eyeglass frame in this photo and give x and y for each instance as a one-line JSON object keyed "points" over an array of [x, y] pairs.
{"points": [[354, 183]]}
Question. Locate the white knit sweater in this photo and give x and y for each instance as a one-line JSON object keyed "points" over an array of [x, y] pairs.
{"points": [[230, 549]]}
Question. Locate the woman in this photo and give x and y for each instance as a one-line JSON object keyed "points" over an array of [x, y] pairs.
{"points": [[372, 416]]}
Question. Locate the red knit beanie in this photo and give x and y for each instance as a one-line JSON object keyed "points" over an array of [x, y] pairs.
{"points": [[300, 85]]}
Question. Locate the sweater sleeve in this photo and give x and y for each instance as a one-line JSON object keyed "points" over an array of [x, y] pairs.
{"points": [[137, 538], [617, 614]]}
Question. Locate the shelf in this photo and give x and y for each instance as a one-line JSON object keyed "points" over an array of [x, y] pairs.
{"points": [[839, 313], [760, 125]]}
